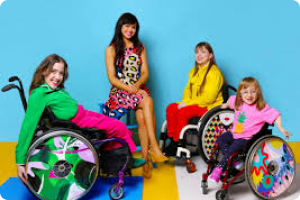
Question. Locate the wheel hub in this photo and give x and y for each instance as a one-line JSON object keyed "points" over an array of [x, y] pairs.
{"points": [[273, 168], [62, 168]]}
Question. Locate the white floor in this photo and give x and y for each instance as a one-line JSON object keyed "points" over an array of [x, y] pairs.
{"points": [[189, 185]]}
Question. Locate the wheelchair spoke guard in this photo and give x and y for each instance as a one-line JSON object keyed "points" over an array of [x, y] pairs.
{"points": [[61, 165], [270, 167], [214, 123]]}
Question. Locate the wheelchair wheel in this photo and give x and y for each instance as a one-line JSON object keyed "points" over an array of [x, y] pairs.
{"points": [[114, 193], [222, 195], [270, 167], [61, 165], [213, 124]]}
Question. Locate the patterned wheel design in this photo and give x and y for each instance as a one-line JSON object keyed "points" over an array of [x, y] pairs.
{"points": [[61, 165], [214, 123], [270, 167]]}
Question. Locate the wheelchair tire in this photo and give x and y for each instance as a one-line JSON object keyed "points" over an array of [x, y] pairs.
{"points": [[61, 164], [270, 167], [215, 122], [222, 195], [114, 194]]}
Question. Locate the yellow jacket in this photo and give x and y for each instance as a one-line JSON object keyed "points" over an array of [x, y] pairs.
{"points": [[211, 95]]}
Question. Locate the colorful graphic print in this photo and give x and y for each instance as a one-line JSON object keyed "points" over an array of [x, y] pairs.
{"points": [[128, 71], [61, 167], [272, 168], [218, 124]]}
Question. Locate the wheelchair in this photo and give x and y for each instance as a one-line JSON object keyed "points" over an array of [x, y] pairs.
{"points": [[268, 167], [199, 136], [64, 160]]}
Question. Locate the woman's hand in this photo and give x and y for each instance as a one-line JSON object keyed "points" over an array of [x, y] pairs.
{"points": [[224, 106], [142, 92], [132, 89], [22, 174], [181, 105]]}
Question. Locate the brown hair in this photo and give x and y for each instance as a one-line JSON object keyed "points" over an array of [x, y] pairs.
{"points": [[45, 68], [244, 84], [212, 61]]}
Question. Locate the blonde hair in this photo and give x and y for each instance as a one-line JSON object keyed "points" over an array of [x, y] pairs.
{"points": [[244, 84]]}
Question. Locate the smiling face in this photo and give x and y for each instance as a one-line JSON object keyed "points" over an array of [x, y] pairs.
{"points": [[56, 75], [202, 56], [249, 94], [128, 31]]}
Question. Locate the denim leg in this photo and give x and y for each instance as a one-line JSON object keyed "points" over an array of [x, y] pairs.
{"points": [[224, 141], [237, 145]]}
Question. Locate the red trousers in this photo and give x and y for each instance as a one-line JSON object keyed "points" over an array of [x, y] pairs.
{"points": [[178, 118]]}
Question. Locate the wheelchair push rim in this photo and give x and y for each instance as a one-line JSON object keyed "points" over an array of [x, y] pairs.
{"points": [[270, 167], [214, 123], [61, 165]]}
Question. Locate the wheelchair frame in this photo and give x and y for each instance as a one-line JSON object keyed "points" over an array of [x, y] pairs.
{"points": [[262, 187], [49, 127], [199, 127]]}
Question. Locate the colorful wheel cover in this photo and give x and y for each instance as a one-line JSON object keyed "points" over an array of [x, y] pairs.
{"points": [[270, 167], [61, 165], [217, 124]]}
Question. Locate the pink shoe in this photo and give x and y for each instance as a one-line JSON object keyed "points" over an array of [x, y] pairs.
{"points": [[214, 177], [237, 165]]}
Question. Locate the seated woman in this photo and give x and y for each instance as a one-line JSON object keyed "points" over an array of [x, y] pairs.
{"points": [[202, 92], [127, 70], [47, 89]]}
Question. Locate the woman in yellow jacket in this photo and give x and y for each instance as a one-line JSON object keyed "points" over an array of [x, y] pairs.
{"points": [[202, 92]]}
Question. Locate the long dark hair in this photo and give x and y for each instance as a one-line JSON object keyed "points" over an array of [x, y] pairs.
{"points": [[45, 68], [118, 42], [212, 61]]}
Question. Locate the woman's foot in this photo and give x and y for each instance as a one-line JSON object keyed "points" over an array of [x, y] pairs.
{"points": [[156, 155], [138, 162], [147, 170]]}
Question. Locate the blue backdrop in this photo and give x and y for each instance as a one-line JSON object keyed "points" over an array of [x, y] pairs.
{"points": [[250, 38]]}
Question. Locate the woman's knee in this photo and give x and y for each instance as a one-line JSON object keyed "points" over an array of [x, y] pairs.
{"points": [[172, 108], [148, 100], [139, 116]]}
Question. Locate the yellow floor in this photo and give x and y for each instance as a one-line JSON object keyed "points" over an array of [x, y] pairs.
{"points": [[161, 186]]}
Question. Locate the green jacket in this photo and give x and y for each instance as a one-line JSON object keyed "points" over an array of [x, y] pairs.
{"points": [[59, 101]]}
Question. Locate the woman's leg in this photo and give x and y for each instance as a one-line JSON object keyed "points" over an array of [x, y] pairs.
{"points": [[171, 115], [142, 131], [112, 127], [148, 112], [184, 115], [143, 136]]}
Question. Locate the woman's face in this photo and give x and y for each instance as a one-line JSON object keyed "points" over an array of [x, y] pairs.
{"points": [[128, 30], [56, 76], [202, 56]]}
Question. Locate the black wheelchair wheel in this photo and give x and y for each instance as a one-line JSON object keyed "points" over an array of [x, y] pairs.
{"points": [[270, 167], [114, 193], [214, 123], [222, 195], [61, 164]]}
